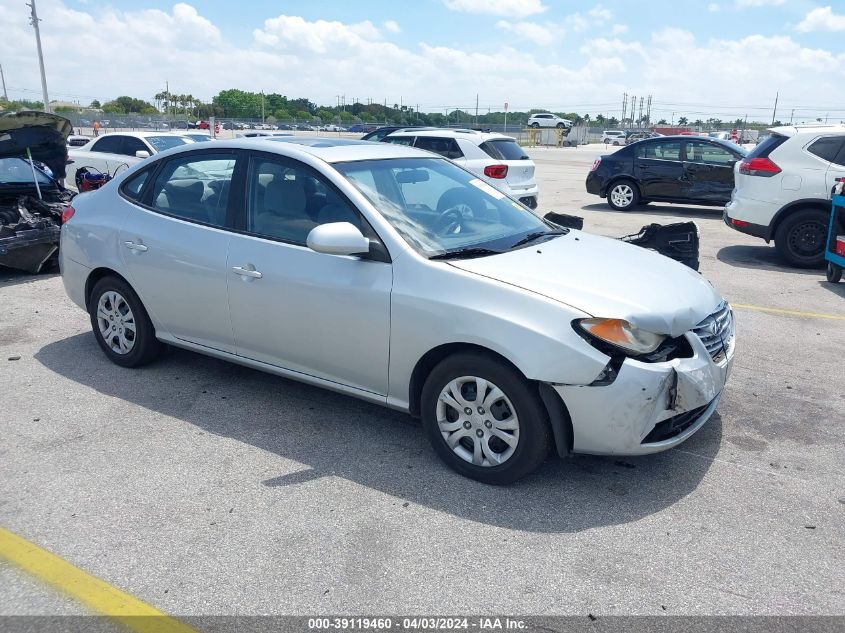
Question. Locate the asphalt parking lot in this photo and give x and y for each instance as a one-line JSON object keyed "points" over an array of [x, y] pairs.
{"points": [[204, 488]]}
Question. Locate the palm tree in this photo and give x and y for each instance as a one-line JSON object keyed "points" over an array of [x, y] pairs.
{"points": [[683, 120]]}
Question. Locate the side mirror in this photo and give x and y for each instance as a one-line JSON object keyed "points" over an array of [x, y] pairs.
{"points": [[338, 238], [142, 153]]}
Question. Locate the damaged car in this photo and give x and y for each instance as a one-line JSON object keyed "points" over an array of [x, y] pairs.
{"points": [[33, 158], [393, 275]]}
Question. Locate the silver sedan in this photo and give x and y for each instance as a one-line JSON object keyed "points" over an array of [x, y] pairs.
{"points": [[393, 275]]}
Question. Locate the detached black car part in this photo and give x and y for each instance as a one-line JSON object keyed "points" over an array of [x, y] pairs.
{"points": [[30, 213], [679, 241]]}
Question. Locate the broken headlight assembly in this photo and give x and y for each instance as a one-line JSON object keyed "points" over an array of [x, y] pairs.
{"points": [[615, 336]]}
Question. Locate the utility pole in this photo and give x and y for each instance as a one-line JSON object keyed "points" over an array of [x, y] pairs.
{"points": [[262, 106], [476, 109], [34, 21], [775, 111], [791, 114], [166, 96], [3, 78], [624, 105], [648, 110]]}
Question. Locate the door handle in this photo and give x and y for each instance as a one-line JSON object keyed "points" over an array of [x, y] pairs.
{"points": [[246, 272], [132, 246]]}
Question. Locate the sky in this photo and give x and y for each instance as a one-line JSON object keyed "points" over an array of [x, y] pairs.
{"points": [[725, 59]]}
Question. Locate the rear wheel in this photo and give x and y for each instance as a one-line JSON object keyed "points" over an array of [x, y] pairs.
{"points": [[800, 238], [121, 324], [561, 126], [484, 419], [834, 273], [623, 195], [535, 125]]}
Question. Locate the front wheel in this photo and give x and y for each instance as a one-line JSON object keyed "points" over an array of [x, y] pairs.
{"points": [[121, 324], [484, 419], [800, 238], [834, 273], [534, 125], [623, 195]]}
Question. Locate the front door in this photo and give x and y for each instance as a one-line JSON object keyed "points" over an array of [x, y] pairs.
{"points": [[322, 315], [174, 244], [659, 170], [709, 172]]}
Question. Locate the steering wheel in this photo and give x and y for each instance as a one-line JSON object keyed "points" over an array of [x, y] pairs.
{"points": [[451, 220]]}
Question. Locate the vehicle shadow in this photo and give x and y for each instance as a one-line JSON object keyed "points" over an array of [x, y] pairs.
{"points": [[837, 289], [703, 213], [339, 436], [760, 257], [11, 277]]}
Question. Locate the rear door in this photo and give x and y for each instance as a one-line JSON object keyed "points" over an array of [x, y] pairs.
{"points": [[174, 243], [659, 169], [832, 150], [708, 171]]}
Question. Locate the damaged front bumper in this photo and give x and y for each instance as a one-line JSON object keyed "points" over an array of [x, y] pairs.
{"points": [[649, 407]]}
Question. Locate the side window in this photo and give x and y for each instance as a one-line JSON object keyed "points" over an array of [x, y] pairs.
{"points": [[132, 145], [827, 148], [707, 153], [444, 146], [132, 188], [287, 200], [109, 144], [399, 140], [195, 187], [667, 150]]}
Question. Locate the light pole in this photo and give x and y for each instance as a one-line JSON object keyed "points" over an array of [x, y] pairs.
{"points": [[34, 20]]}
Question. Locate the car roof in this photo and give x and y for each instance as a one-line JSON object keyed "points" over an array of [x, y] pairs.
{"points": [[475, 135], [330, 150], [142, 134], [807, 129]]}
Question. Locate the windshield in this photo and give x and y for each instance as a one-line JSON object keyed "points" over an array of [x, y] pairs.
{"points": [[17, 171], [440, 208], [161, 143]]}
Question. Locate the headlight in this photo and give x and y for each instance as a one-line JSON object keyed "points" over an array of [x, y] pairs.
{"points": [[622, 334]]}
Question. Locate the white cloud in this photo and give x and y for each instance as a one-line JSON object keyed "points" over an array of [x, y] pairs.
{"points": [[537, 33], [714, 7], [619, 29], [759, 3], [600, 14], [511, 8], [822, 19], [392, 26]]}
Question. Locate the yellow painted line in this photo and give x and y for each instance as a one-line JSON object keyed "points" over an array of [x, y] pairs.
{"points": [[799, 313], [96, 594]]}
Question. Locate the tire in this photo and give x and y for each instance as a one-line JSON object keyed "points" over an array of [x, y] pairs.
{"points": [[560, 126], [834, 273], [800, 238], [615, 143], [479, 452], [113, 299], [535, 125], [623, 195]]}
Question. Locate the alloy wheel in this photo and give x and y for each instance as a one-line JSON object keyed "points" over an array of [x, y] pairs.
{"points": [[622, 195], [116, 322], [477, 421]]}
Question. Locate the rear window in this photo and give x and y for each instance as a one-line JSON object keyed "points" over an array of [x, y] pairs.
{"points": [[827, 148], [770, 144], [504, 149]]}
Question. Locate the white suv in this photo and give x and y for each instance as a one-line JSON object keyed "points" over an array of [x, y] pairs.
{"points": [[613, 137], [782, 190], [547, 119], [496, 158]]}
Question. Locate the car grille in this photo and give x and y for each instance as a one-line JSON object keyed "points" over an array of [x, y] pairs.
{"points": [[717, 332]]}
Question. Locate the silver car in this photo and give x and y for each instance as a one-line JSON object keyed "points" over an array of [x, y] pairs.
{"points": [[393, 275]]}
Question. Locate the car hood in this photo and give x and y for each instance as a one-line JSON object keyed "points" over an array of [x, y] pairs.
{"points": [[606, 278], [44, 134]]}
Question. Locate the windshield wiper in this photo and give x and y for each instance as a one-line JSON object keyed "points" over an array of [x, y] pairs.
{"points": [[536, 235], [468, 252]]}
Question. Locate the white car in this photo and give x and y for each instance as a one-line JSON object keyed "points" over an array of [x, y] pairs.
{"points": [[783, 188], [613, 137], [110, 152], [547, 119], [495, 158], [334, 262]]}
